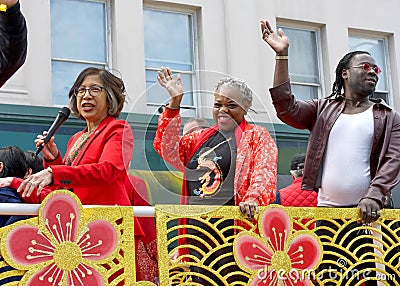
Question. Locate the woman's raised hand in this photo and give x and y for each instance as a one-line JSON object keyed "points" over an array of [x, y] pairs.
{"points": [[172, 85], [279, 43]]}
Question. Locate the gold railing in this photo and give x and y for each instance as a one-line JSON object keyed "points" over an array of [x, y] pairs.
{"points": [[219, 246], [237, 252]]}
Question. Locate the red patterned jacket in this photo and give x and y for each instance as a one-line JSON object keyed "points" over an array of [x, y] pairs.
{"points": [[256, 161]]}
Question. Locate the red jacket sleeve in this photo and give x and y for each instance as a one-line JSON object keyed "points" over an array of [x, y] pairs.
{"points": [[172, 147], [116, 153], [33, 198], [258, 156]]}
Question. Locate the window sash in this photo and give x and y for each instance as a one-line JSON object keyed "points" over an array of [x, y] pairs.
{"points": [[377, 47], [305, 77], [66, 62], [156, 95]]}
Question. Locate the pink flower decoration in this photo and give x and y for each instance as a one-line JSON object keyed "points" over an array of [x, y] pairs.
{"points": [[271, 259], [59, 251]]}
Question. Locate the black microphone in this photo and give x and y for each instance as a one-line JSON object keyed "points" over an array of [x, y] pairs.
{"points": [[61, 117]]}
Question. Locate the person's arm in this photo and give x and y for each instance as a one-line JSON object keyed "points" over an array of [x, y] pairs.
{"points": [[113, 161], [13, 40], [167, 142], [115, 157], [262, 181], [57, 161], [34, 198], [280, 44], [386, 177], [263, 175], [172, 147], [296, 113], [39, 181]]}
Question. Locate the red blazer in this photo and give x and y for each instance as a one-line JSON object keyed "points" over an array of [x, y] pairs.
{"points": [[137, 192], [146, 248], [97, 176]]}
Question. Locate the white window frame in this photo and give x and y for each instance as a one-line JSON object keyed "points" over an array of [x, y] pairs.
{"points": [[195, 52], [317, 30], [108, 63], [386, 57]]}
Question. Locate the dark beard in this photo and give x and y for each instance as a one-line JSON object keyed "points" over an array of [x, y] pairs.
{"points": [[363, 89]]}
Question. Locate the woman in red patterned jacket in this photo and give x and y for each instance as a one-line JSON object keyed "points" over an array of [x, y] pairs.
{"points": [[230, 163]]}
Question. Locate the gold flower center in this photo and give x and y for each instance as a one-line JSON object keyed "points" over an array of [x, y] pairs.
{"points": [[67, 256], [280, 261]]}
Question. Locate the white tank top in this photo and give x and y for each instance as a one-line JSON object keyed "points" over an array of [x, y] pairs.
{"points": [[346, 172]]}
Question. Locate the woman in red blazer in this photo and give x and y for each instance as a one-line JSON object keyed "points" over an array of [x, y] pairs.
{"points": [[97, 158]]}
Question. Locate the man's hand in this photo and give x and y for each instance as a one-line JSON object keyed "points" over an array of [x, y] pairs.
{"points": [[249, 208], [370, 210], [279, 43]]}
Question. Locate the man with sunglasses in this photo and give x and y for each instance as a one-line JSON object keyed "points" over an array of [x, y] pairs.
{"points": [[13, 39], [353, 154]]}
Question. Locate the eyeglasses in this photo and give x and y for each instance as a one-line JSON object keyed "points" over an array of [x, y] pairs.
{"points": [[367, 68], [93, 91]]}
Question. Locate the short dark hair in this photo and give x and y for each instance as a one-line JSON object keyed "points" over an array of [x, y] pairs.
{"points": [[297, 161], [113, 85], [14, 162], [34, 162]]}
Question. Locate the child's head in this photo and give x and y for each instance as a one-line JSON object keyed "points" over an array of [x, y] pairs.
{"points": [[12, 162], [34, 163]]}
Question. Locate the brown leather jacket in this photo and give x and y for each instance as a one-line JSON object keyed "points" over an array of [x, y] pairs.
{"points": [[319, 115]]}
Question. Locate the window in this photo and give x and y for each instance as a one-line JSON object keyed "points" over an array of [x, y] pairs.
{"points": [[304, 62], [79, 39], [169, 42], [377, 49]]}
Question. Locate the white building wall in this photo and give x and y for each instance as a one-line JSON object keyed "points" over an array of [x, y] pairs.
{"points": [[229, 42]]}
